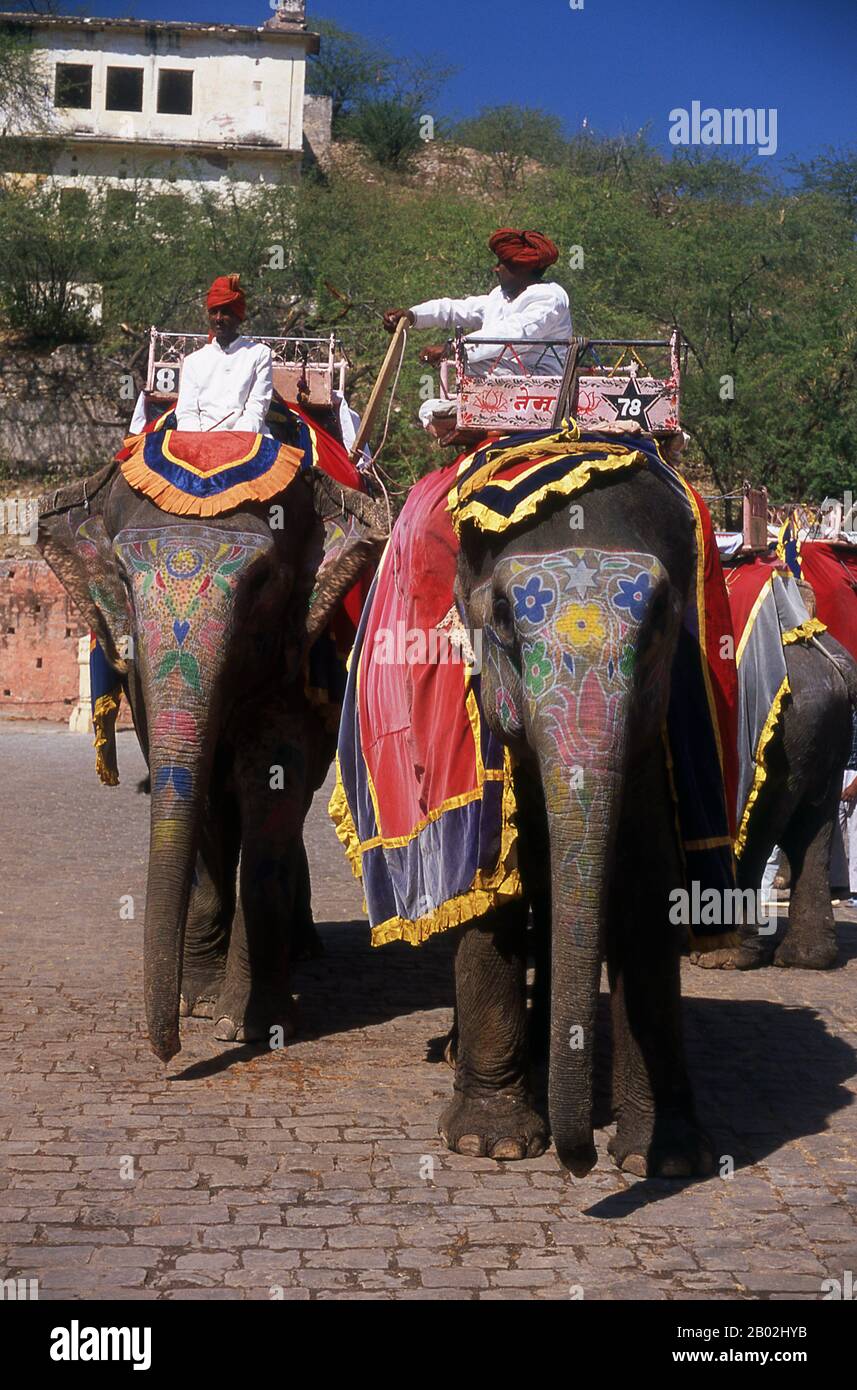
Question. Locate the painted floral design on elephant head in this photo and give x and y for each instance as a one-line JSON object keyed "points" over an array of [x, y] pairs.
{"points": [[182, 584], [578, 617]]}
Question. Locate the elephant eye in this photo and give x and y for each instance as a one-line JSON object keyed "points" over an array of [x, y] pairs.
{"points": [[502, 616]]}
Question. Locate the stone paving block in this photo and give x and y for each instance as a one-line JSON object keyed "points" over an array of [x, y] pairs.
{"points": [[300, 1172]]}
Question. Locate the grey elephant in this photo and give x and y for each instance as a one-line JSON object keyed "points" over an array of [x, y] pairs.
{"points": [[209, 621], [601, 848], [797, 808], [540, 777]]}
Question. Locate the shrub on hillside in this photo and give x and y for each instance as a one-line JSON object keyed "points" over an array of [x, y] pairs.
{"points": [[388, 130]]}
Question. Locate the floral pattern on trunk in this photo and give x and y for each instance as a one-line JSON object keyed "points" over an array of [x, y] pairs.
{"points": [[183, 582], [578, 617]]}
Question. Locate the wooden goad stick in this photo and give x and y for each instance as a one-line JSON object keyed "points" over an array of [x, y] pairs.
{"points": [[388, 368]]}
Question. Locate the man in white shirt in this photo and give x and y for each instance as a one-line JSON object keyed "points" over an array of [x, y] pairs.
{"points": [[227, 384], [522, 305]]}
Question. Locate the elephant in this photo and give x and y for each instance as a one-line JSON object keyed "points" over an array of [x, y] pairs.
{"points": [[797, 809], [598, 843], [208, 621]]}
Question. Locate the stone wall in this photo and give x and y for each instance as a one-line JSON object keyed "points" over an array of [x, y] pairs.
{"points": [[318, 114], [60, 411], [39, 634]]}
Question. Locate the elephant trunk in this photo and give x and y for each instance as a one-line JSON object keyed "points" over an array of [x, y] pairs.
{"points": [[581, 847], [602, 680], [180, 769]]}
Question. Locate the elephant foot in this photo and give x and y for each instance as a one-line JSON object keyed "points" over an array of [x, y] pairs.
{"points": [[198, 997], [731, 958], [272, 1021], [673, 1147], [796, 952], [501, 1126]]}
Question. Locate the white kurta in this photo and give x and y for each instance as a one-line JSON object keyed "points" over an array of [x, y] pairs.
{"points": [[233, 382], [540, 311]]}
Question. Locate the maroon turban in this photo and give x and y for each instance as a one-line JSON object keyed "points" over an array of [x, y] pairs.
{"points": [[226, 293], [523, 250]]}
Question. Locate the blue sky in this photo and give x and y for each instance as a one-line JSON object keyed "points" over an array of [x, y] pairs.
{"points": [[622, 64]]}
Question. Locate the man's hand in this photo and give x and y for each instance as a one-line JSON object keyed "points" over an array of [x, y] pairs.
{"points": [[433, 356], [392, 316], [850, 792]]}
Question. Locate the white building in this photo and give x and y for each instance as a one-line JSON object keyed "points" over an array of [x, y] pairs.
{"points": [[179, 104]]}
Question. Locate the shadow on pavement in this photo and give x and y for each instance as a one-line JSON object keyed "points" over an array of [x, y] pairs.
{"points": [[763, 1074]]}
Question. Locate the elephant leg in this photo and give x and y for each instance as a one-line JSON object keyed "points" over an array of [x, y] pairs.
{"points": [[810, 939], [212, 905], [657, 1133], [273, 797], [492, 1113], [756, 939], [307, 944], [767, 827]]}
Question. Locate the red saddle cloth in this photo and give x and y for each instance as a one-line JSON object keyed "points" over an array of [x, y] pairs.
{"points": [[207, 452], [831, 572]]}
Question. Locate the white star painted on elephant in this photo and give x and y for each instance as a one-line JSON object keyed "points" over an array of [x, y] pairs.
{"points": [[580, 578]]}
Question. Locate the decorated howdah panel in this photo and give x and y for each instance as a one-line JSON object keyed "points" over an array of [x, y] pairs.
{"points": [[648, 401], [508, 403]]}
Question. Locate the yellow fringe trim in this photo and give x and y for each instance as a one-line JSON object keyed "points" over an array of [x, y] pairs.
{"points": [[761, 773], [104, 722], [559, 445], [486, 891], [142, 478], [501, 455], [343, 823], [811, 628]]}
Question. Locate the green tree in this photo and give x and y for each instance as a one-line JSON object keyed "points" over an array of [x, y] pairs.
{"points": [[348, 69], [835, 173], [25, 104], [388, 129], [512, 135], [50, 247]]}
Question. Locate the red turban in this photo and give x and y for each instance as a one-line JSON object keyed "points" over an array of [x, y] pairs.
{"points": [[226, 293], [523, 250]]}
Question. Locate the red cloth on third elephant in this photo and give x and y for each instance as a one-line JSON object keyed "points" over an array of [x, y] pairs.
{"points": [[831, 572]]}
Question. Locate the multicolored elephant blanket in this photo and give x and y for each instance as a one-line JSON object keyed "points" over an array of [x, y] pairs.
{"points": [[424, 801], [768, 614], [207, 473]]}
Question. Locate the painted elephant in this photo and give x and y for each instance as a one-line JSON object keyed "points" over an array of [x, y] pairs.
{"points": [[599, 852], [797, 809], [209, 621]]}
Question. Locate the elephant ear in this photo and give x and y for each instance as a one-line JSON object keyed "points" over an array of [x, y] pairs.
{"points": [[74, 541], [356, 529]]}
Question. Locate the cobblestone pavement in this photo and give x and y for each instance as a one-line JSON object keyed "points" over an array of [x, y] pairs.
{"points": [[315, 1171]]}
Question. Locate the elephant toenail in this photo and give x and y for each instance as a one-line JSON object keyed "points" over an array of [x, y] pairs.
{"points": [[508, 1148], [470, 1145]]}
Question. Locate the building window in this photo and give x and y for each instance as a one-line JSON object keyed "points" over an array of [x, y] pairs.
{"points": [[124, 89], [73, 86], [120, 204], [73, 202], [175, 92]]}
